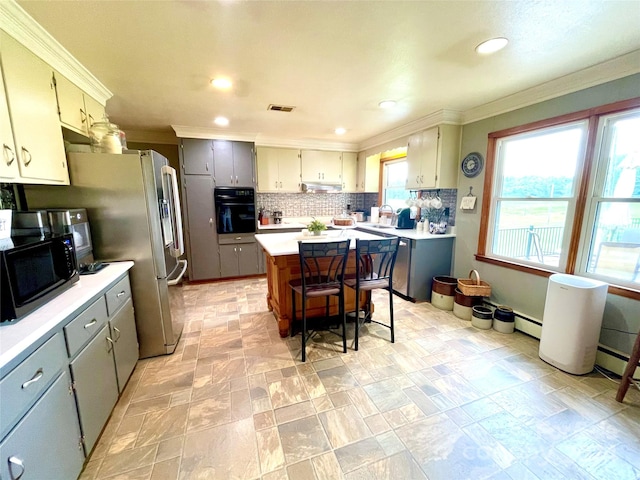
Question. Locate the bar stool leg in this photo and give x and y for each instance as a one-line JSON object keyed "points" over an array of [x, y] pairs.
{"points": [[627, 378]]}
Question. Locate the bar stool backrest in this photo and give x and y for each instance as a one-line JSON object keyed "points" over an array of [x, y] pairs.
{"points": [[323, 262], [376, 258]]}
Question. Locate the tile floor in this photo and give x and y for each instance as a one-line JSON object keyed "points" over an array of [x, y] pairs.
{"points": [[446, 401]]}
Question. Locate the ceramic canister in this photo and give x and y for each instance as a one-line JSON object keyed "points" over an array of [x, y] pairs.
{"points": [[481, 317], [463, 303], [442, 292], [504, 319]]}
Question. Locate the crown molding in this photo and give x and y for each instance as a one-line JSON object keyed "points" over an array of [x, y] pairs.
{"points": [[18, 24], [619, 67], [184, 131], [309, 144], [431, 120]]}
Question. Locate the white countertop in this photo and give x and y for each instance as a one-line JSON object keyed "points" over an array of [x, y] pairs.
{"points": [[277, 244], [413, 234], [18, 339]]}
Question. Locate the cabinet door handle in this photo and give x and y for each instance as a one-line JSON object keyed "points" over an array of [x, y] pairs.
{"points": [[231, 179], [110, 344], [421, 178], [26, 156], [206, 166], [240, 249], [91, 323], [121, 293], [37, 376], [91, 120], [115, 329], [236, 179], [9, 156], [13, 460], [280, 184], [211, 221], [83, 116]]}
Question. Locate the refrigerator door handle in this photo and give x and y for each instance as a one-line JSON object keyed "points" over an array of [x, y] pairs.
{"points": [[177, 214]]}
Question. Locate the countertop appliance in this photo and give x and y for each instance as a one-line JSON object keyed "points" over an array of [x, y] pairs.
{"points": [[33, 270], [30, 223], [132, 200], [405, 222], [235, 209], [75, 222]]}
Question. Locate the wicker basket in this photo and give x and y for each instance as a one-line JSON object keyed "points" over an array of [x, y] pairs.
{"points": [[474, 288]]}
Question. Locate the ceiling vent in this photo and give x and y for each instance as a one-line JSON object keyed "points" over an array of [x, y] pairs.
{"points": [[280, 108]]}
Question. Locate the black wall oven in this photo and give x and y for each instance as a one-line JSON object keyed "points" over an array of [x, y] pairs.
{"points": [[33, 270], [235, 209]]}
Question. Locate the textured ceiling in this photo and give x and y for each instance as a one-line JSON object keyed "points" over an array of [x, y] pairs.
{"points": [[333, 60]]}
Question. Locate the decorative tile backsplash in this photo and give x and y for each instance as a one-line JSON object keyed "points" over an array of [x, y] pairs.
{"points": [[328, 204]]}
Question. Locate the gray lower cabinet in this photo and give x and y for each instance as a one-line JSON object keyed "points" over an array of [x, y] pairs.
{"points": [[96, 387], [45, 443], [204, 262], [125, 342], [239, 259], [428, 258]]}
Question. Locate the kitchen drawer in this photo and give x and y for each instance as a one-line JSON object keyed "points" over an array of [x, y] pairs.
{"points": [[117, 295], [24, 385], [230, 239], [81, 329]]}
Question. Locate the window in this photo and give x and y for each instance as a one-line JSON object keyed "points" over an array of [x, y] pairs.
{"points": [[394, 178], [535, 194], [564, 196], [614, 208]]}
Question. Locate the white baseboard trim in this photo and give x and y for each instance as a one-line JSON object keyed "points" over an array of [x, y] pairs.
{"points": [[606, 357]]}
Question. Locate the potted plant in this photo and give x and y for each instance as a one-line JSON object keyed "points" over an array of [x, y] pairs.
{"points": [[316, 227]]}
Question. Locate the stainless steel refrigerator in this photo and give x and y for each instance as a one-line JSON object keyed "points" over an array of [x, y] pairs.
{"points": [[134, 214]]}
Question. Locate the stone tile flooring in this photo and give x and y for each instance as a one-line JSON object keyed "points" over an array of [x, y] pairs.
{"points": [[446, 401]]}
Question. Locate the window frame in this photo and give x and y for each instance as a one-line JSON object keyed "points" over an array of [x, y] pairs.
{"points": [[582, 199]]}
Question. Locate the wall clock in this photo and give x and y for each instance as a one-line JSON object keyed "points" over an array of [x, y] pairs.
{"points": [[472, 164]]}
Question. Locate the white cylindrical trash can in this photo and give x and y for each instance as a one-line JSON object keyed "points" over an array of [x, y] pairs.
{"points": [[571, 322]]}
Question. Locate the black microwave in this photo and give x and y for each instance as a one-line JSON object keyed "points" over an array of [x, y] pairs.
{"points": [[33, 270]]}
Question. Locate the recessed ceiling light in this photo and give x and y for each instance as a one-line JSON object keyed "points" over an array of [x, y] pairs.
{"points": [[492, 45], [387, 104], [341, 131], [221, 83], [221, 121]]}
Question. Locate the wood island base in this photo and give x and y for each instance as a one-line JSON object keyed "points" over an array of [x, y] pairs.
{"points": [[283, 268]]}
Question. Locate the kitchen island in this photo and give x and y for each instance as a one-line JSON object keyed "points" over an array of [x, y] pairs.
{"points": [[283, 265]]}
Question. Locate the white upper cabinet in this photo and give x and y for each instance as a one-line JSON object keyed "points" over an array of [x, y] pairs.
{"points": [[432, 158], [33, 109], [368, 173], [321, 166], [278, 169], [9, 170], [78, 111], [349, 171]]}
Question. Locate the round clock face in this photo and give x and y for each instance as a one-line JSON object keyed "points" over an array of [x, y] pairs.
{"points": [[472, 164]]}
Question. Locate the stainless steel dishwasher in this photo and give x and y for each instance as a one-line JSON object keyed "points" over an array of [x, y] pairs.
{"points": [[401, 269]]}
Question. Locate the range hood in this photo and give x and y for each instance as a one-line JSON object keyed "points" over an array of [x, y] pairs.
{"points": [[311, 187]]}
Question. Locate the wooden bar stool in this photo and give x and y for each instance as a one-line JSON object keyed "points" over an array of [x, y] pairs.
{"points": [[627, 378]]}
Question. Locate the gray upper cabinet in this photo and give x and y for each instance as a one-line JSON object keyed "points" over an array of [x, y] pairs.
{"points": [[46, 442], [233, 163], [204, 262], [197, 156]]}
